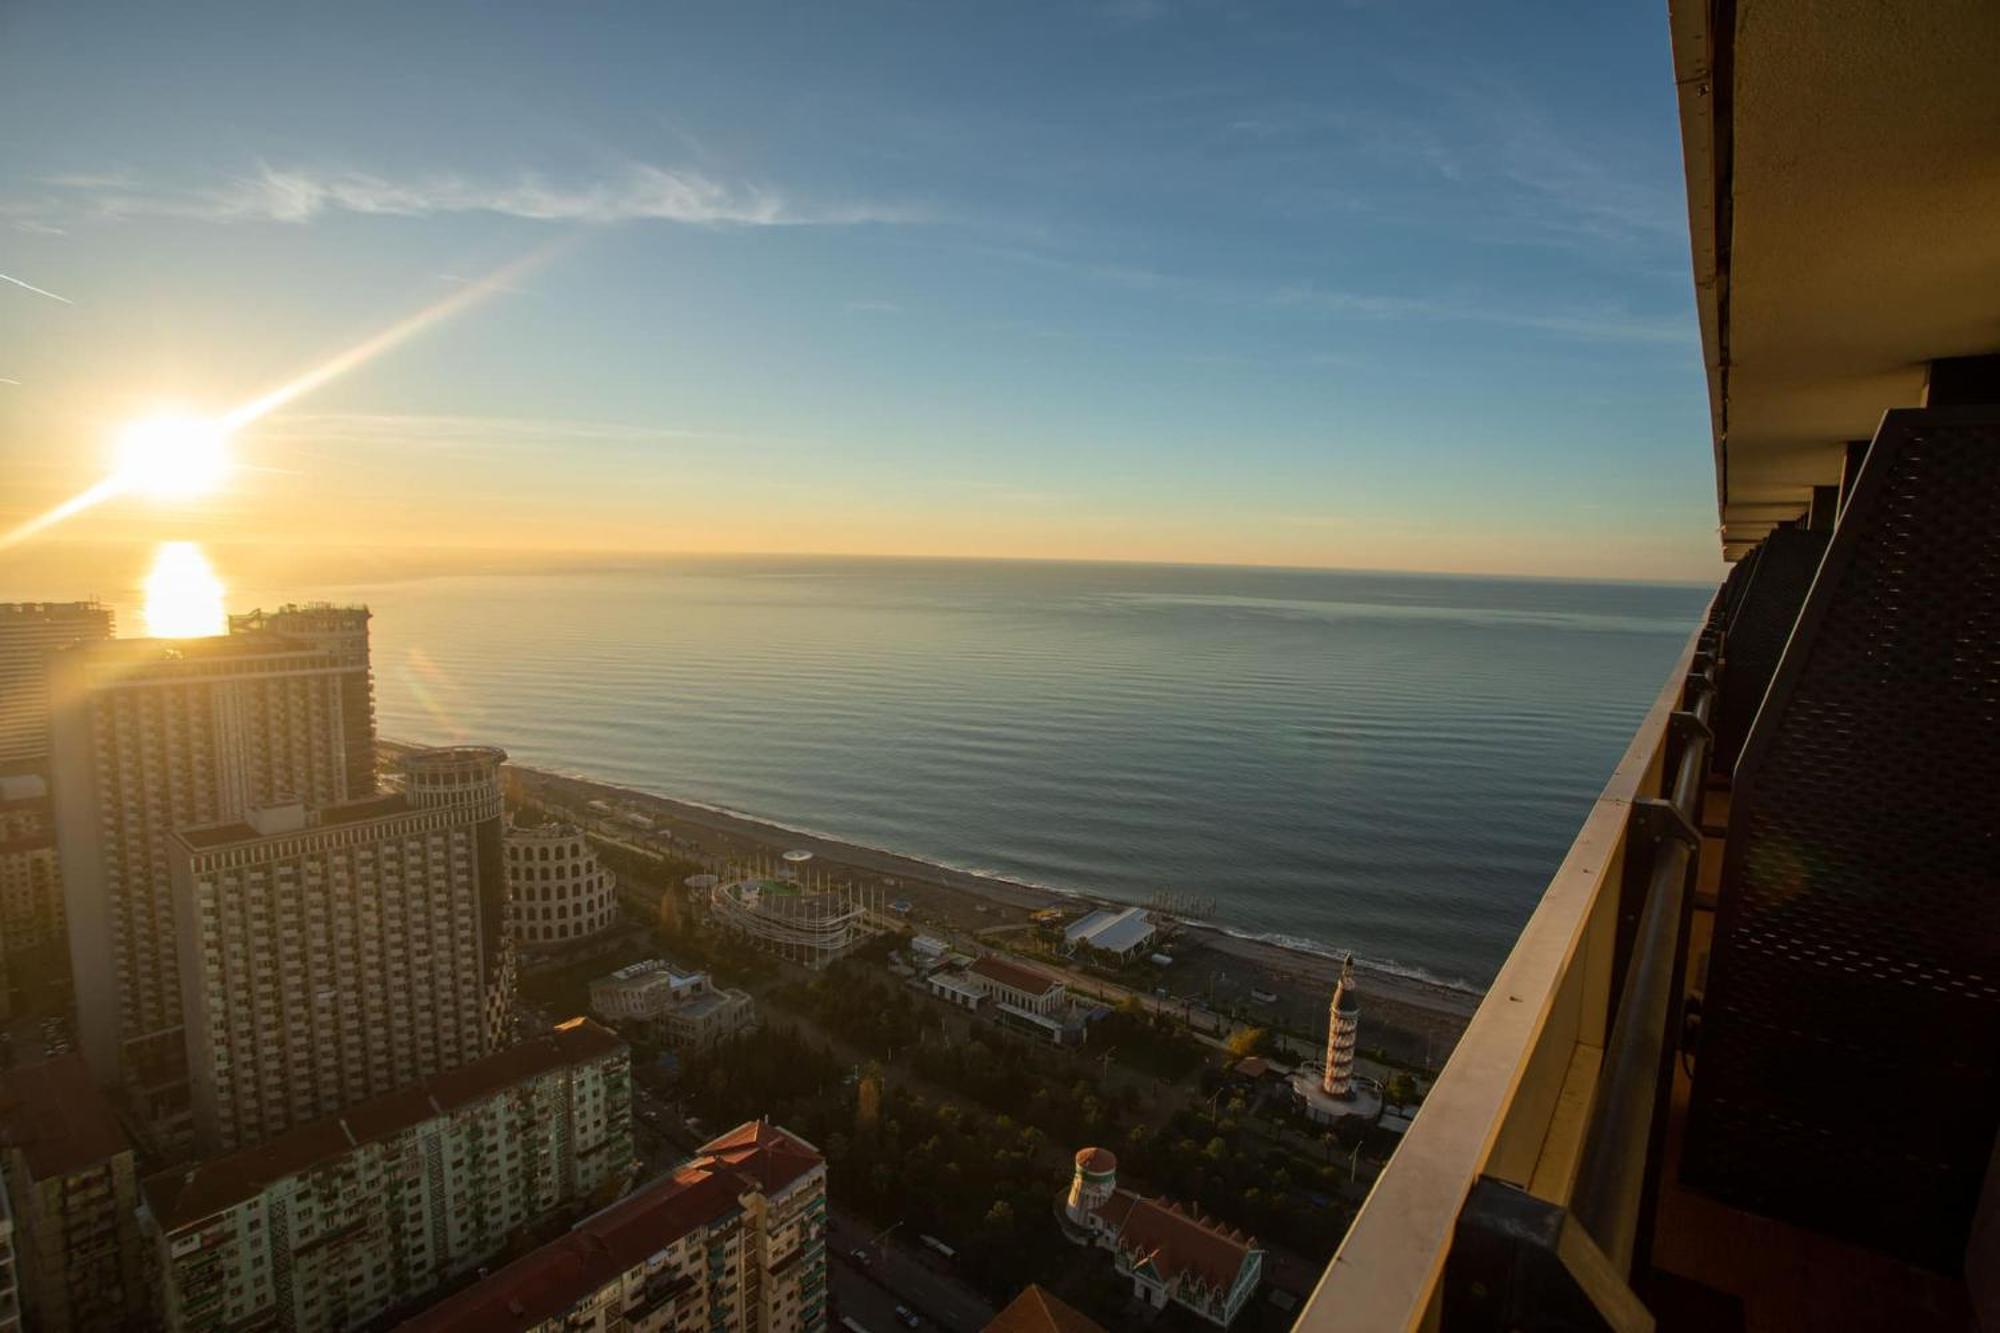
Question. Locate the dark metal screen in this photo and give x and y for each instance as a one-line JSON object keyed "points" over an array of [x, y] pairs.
{"points": [[1767, 608], [1849, 1069]]}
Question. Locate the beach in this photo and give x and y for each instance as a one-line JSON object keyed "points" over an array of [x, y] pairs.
{"points": [[1411, 1019]]}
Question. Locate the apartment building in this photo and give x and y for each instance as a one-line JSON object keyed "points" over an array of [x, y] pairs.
{"points": [[337, 953], [733, 1241], [331, 1224], [29, 632], [74, 1190], [150, 737]]}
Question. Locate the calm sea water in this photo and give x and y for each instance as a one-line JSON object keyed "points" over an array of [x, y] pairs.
{"points": [[1388, 763]]}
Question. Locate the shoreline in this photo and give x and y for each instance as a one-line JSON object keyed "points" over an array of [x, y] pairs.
{"points": [[1416, 1019]]}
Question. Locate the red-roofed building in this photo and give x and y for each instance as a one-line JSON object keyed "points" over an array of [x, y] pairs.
{"points": [[331, 1224], [1019, 995], [733, 1240], [1039, 1311], [1170, 1253]]}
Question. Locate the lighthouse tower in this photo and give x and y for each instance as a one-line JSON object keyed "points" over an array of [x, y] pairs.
{"points": [[1343, 1019]]}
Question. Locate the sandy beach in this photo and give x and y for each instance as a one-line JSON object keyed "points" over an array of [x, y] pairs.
{"points": [[1413, 1020]]}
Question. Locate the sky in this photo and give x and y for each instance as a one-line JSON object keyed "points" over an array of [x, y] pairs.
{"points": [[1370, 285]]}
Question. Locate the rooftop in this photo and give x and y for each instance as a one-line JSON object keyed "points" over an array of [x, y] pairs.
{"points": [[185, 1196], [1113, 931], [57, 1117], [549, 1282], [997, 969], [1037, 1311], [384, 806], [1175, 1241]]}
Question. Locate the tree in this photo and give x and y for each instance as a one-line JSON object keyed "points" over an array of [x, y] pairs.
{"points": [[868, 1102], [1247, 1041], [1401, 1089]]}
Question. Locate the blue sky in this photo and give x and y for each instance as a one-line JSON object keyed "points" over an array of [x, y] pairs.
{"points": [[1387, 285]]}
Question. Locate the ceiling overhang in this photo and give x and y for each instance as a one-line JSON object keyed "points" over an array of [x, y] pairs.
{"points": [[1843, 168]]}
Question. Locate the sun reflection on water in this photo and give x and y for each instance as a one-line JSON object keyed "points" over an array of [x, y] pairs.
{"points": [[183, 595]]}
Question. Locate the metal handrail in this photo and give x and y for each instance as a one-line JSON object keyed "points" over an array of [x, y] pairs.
{"points": [[1620, 1154]]}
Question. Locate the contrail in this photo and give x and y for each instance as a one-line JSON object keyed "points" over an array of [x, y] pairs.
{"points": [[5, 380], [39, 291]]}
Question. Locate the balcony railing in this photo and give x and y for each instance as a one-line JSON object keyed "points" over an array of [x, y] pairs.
{"points": [[1550, 1110]]}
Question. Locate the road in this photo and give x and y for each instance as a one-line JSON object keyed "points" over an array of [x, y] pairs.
{"points": [[895, 1275]]}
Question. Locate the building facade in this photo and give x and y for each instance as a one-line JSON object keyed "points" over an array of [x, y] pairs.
{"points": [[1012, 993], [331, 1224], [29, 632], [691, 1012], [10, 1269], [733, 1241], [562, 896], [1170, 1254], [33, 942], [335, 954], [153, 736], [74, 1190], [341, 632]]}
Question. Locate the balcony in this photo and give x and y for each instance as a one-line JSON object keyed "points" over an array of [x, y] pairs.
{"points": [[1799, 838]]}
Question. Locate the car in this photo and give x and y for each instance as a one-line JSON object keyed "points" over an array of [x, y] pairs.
{"points": [[859, 1257], [909, 1317]]}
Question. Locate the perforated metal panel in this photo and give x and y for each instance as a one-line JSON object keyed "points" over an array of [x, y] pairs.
{"points": [[1767, 608], [1848, 1077]]}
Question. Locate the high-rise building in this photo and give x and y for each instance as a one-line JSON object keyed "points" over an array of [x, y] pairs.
{"points": [[332, 1223], [29, 632], [336, 953], [152, 736], [32, 936], [75, 1193], [342, 632], [733, 1241], [562, 896]]}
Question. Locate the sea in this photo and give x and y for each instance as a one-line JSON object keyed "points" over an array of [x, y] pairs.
{"points": [[1391, 764]]}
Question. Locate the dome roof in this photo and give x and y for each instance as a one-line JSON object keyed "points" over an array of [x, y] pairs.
{"points": [[1096, 1161]]}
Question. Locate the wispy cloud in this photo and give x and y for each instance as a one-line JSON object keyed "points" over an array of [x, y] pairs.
{"points": [[1603, 323], [637, 192], [39, 291], [1598, 323]]}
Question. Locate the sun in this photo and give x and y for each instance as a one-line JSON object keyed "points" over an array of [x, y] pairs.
{"points": [[183, 595], [172, 457]]}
